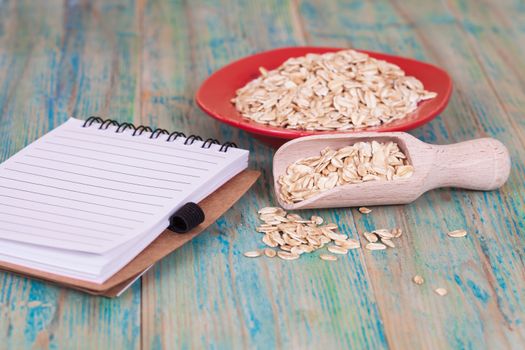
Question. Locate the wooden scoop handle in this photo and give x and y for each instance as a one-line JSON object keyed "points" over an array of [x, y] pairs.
{"points": [[481, 164]]}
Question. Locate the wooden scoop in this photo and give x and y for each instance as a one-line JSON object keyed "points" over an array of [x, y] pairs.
{"points": [[481, 164]]}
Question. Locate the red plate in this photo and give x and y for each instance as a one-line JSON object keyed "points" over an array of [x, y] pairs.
{"points": [[215, 93]]}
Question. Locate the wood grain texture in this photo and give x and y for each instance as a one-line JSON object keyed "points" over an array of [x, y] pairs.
{"points": [[479, 164], [142, 61], [484, 311]]}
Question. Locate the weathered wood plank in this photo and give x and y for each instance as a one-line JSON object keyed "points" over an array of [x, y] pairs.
{"points": [[492, 38], [485, 307], [142, 61], [56, 61], [207, 294]]}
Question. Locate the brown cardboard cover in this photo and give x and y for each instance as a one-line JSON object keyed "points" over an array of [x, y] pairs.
{"points": [[213, 206]]}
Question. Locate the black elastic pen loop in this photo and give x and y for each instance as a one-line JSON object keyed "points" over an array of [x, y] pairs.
{"points": [[189, 216]]}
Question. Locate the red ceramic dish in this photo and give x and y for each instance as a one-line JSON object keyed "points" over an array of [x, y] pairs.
{"points": [[215, 94]]}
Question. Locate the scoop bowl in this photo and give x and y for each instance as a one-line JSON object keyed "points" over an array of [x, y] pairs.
{"points": [[480, 164]]}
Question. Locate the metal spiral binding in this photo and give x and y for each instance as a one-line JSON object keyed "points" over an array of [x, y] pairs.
{"points": [[104, 124]]}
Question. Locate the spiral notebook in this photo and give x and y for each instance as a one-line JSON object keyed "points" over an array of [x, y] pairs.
{"points": [[86, 198]]}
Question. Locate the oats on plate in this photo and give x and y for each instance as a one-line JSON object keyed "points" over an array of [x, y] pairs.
{"points": [[341, 90]]}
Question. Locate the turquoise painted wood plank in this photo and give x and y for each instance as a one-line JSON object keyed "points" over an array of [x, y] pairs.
{"points": [[486, 308], [51, 59], [142, 61], [208, 284]]}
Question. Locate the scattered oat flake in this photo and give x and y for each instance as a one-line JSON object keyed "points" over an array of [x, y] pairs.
{"points": [[286, 247], [334, 236], [349, 244], [252, 254], [457, 233], [397, 232], [269, 241], [441, 291], [375, 246], [297, 250], [328, 257], [417, 279], [280, 218], [365, 210], [384, 233], [331, 226], [287, 255], [370, 237], [317, 220], [268, 210], [337, 250], [388, 243], [270, 252]]}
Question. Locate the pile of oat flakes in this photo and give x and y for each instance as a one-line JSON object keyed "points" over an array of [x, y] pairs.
{"points": [[360, 162], [293, 235], [341, 90]]}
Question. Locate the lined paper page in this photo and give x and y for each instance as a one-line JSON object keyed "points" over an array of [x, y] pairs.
{"points": [[91, 190]]}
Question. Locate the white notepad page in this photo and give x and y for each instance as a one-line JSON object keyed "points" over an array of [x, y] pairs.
{"points": [[83, 201]]}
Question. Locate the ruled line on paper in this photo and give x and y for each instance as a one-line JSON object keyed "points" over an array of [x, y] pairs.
{"points": [[103, 178], [120, 155], [130, 148], [78, 200], [91, 185], [74, 191], [65, 216], [117, 172], [62, 224], [205, 152], [55, 230], [65, 183], [71, 208], [118, 163], [61, 239]]}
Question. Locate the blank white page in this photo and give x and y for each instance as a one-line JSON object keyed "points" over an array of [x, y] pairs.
{"points": [[91, 190]]}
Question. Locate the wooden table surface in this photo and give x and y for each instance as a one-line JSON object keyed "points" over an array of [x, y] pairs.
{"points": [[143, 61]]}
